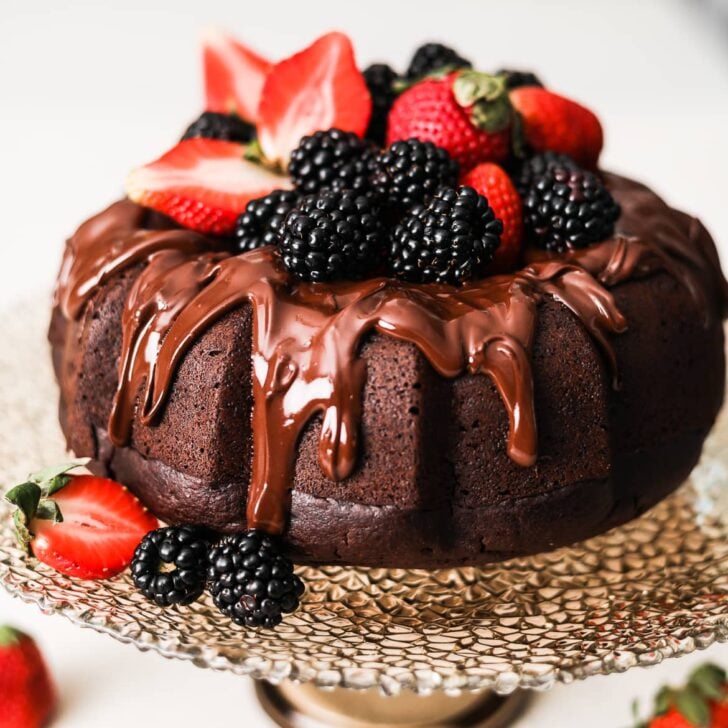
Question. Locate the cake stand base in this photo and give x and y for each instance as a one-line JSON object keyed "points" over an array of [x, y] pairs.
{"points": [[293, 705]]}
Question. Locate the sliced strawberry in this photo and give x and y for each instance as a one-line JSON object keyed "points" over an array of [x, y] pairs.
{"points": [[234, 75], [203, 184], [102, 525], [316, 89], [80, 525]]}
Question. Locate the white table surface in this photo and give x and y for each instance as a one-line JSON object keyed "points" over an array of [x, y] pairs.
{"points": [[88, 89]]}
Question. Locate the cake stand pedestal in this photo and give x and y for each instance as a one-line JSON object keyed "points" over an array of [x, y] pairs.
{"points": [[655, 588], [293, 705]]}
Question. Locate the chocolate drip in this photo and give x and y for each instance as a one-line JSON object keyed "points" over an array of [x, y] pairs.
{"points": [[307, 337]]}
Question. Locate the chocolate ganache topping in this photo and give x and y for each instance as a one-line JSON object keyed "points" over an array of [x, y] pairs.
{"points": [[307, 337]]}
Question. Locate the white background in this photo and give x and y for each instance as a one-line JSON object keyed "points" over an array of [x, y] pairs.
{"points": [[88, 89]]}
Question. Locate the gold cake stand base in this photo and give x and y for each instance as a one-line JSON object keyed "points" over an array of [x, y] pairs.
{"points": [[293, 705]]}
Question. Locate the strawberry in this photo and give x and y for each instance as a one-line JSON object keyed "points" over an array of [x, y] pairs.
{"points": [[314, 90], [466, 112], [673, 718], [203, 184], [552, 122], [492, 181], [234, 76], [27, 695], [80, 525], [703, 701]]}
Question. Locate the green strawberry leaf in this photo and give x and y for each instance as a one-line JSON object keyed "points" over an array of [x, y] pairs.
{"points": [[709, 681], [55, 477], [25, 497], [487, 98], [48, 510], [663, 700], [9, 635], [693, 707]]}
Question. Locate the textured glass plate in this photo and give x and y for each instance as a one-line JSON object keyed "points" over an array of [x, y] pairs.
{"points": [[655, 588]]}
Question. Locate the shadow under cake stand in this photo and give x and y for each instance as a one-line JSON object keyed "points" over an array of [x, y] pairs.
{"points": [[367, 643]]}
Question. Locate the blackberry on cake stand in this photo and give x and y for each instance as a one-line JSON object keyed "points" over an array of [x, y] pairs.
{"points": [[367, 644]]}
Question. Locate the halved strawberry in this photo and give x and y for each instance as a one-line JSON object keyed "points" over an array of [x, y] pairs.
{"points": [[80, 525], [316, 89], [234, 75], [203, 184]]}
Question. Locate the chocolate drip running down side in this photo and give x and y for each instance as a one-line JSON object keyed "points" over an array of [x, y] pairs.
{"points": [[307, 337]]}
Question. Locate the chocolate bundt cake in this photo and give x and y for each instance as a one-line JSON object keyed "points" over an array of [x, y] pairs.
{"points": [[394, 455], [411, 403]]}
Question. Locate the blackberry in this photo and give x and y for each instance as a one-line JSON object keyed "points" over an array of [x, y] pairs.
{"points": [[228, 127], [449, 240], [260, 223], [533, 168], [250, 581], [380, 78], [409, 173], [332, 235], [432, 57], [516, 79], [567, 208], [168, 566], [333, 158]]}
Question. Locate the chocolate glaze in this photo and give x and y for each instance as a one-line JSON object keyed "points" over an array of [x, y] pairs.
{"points": [[307, 337]]}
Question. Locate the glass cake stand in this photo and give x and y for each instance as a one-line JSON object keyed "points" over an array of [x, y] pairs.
{"points": [[367, 641]]}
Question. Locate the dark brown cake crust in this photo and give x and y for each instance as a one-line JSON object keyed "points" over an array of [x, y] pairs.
{"points": [[434, 486]]}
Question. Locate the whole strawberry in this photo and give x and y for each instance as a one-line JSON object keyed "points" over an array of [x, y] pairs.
{"points": [[553, 122], [27, 695], [701, 703], [467, 113], [492, 181]]}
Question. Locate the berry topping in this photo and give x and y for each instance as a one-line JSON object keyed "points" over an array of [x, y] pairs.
{"points": [[433, 57], [533, 168], [251, 582], [553, 122], [467, 113], [449, 240], [318, 88], [332, 235], [516, 79], [227, 127], [380, 80], [203, 184], [80, 525], [493, 183], [27, 695], [262, 220], [333, 158], [410, 172], [568, 208], [234, 76], [170, 565]]}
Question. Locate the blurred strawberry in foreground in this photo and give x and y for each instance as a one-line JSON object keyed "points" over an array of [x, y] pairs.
{"points": [[467, 113], [203, 184], [555, 123], [81, 525], [316, 89], [701, 703], [494, 183], [234, 76], [27, 696]]}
